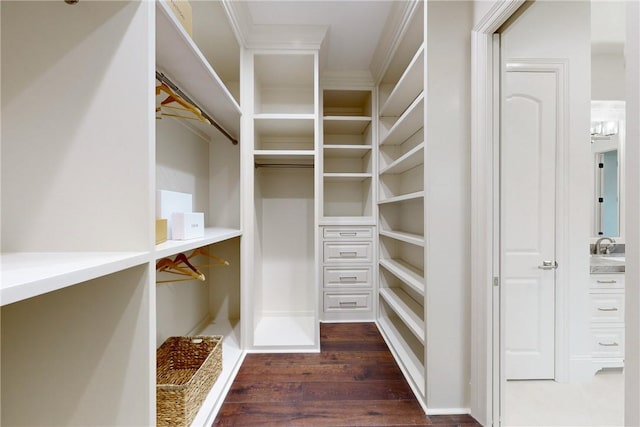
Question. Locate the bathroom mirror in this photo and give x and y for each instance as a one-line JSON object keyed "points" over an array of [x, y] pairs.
{"points": [[607, 147]]}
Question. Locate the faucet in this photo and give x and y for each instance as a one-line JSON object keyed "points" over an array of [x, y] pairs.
{"points": [[607, 249]]}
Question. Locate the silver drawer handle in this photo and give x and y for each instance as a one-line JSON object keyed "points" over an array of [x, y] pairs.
{"points": [[548, 265], [344, 233], [613, 344], [348, 278], [607, 281], [348, 303], [349, 254], [607, 309]]}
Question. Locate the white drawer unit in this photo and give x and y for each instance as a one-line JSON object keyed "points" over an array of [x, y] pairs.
{"points": [[339, 277], [348, 252], [347, 273], [607, 281], [347, 233], [352, 301], [608, 343], [607, 307]]}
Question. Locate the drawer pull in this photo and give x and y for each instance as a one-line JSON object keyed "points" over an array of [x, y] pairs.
{"points": [[348, 254], [607, 281], [351, 233], [607, 309], [348, 278], [348, 303], [612, 344]]}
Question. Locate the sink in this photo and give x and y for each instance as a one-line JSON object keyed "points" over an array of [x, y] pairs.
{"points": [[607, 263]]}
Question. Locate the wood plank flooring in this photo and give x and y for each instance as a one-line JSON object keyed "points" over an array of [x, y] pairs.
{"points": [[353, 381]]}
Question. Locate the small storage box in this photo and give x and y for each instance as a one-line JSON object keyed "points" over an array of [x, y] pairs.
{"points": [[187, 367]]}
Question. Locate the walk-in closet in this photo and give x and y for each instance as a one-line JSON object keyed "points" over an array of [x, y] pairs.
{"points": [[316, 194]]}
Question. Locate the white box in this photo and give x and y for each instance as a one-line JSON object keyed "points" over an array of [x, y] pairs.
{"points": [[169, 202], [187, 225]]}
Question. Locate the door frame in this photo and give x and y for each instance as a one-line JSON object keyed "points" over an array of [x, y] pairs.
{"points": [[485, 363]]}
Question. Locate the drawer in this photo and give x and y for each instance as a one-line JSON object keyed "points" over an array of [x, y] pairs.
{"points": [[355, 301], [337, 252], [607, 281], [607, 307], [344, 233], [608, 342], [347, 276]]}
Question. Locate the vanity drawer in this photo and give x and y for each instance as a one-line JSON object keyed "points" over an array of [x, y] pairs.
{"points": [[347, 276], [359, 301], [607, 281], [337, 252], [608, 342], [348, 233], [607, 307]]}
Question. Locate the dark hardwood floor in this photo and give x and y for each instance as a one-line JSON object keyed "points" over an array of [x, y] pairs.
{"points": [[353, 381]]}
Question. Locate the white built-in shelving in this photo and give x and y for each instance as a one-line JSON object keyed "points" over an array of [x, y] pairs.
{"points": [[212, 235], [401, 205], [281, 90]]}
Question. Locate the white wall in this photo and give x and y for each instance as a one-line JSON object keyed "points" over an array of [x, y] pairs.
{"points": [[607, 76], [447, 202]]}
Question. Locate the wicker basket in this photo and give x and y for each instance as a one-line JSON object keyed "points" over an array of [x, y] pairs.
{"points": [[187, 367]]}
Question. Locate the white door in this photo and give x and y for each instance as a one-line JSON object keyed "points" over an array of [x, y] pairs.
{"points": [[528, 210]]}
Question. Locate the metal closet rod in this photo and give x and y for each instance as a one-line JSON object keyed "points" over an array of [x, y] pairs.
{"points": [[164, 79]]}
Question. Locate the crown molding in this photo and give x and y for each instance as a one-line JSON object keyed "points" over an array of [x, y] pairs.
{"points": [[255, 36], [395, 28]]}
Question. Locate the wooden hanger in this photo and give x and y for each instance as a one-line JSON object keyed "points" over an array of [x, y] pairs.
{"points": [[166, 265], [220, 262], [184, 105]]}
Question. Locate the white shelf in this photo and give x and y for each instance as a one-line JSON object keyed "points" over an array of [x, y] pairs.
{"points": [[414, 239], [407, 309], [346, 151], [297, 157], [232, 357], [409, 160], [346, 176], [411, 121], [285, 332], [347, 220], [413, 277], [211, 235], [402, 198], [345, 125], [409, 85], [29, 274], [411, 365], [178, 56]]}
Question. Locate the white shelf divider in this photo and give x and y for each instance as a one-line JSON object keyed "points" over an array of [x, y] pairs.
{"points": [[402, 198], [178, 56], [411, 121], [406, 90], [409, 160], [211, 235], [410, 275], [346, 151], [414, 239], [297, 157], [29, 274], [407, 310]]}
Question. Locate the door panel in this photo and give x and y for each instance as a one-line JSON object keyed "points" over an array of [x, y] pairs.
{"points": [[528, 164]]}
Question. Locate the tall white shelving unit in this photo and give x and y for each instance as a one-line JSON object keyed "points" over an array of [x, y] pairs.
{"points": [[401, 203], [82, 157], [281, 90]]}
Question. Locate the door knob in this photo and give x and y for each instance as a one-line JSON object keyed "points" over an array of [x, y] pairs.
{"points": [[548, 265]]}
